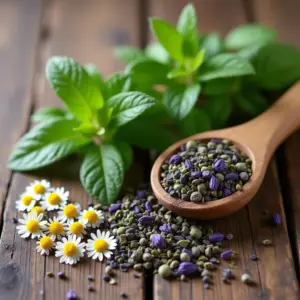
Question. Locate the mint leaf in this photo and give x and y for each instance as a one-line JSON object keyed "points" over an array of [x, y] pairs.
{"points": [[127, 106], [212, 45], [277, 66], [248, 35], [128, 54], [218, 108], [49, 113], [45, 144], [97, 77], [74, 86], [252, 102], [86, 128], [180, 100], [102, 173], [225, 65], [125, 152], [117, 83], [145, 134], [168, 37], [197, 121], [187, 22], [177, 73], [157, 52], [220, 86], [197, 61], [104, 116], [148, 71]]}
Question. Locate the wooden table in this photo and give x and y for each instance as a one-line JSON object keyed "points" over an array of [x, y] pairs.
{"points": [[33, 30]]}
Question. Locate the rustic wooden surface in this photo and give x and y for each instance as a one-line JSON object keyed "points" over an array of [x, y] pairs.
{"points": [[33, 30]]}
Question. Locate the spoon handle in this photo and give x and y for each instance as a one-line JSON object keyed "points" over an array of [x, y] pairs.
{"points": [[267, 131]]}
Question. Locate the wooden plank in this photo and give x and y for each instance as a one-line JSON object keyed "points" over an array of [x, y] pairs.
{"points": [[88, 32], [284, 16], [18, 39], [248, 225]]}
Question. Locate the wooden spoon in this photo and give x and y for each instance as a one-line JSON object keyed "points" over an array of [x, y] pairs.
{"points": [[258, 138]]}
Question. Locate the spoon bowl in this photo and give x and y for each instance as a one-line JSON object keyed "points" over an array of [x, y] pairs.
{"points": [[258, 139]]}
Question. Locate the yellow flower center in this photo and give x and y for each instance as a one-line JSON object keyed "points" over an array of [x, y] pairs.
{"points": [[76, 228], [70, 211], [33, 226], [37, 209], [39, 188], [100, 245], [56, 227], [26, 200], [90, 216], [53, 199], [70, 249], [46, 242]]}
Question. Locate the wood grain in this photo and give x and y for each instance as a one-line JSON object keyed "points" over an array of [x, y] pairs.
{"points": [[249, 224], [88, 33]]}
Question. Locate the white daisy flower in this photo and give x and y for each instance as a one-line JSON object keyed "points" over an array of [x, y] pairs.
{"points": [[38, 188], [101, 245], [38, 209], [45, 244], [77, 228], [56, 228], [55, 198], [92, 217], [70, 250], [32, 225], [69, 213], [26, 202]]}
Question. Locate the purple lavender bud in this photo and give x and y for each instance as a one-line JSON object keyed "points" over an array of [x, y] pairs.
{"points": [[140, 194], [114, 207], [219, 165], [136, 209], [208, 198], [216, 141], [166, 228], [182, 147], [14, 220], [214, 260], [184, 179], [146, 220], [187, 268], [61, 275], [175, 159], [206, 286], [123, 295], [226, 192], [276, 218], [244, 176], [214, 183], [231, 177], [206, 174], [221, 185], [158, 241], [196, 174], [90, 288], [148, 206], [227, 273], [187, 251], [188, 164], [71, 295], [216, 237], [226, 254], [206, 279], [206, 242]]}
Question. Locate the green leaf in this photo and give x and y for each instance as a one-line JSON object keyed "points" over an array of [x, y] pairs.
{"points": [[127, 106], [125, 152], [187, 22], [218, 108], [157, 52], [197, 61], [104, 116], [220, 86], [197, 121], [95, 74], [86, 128], [252, 102], [225, 65], [74, 86], [128, 54], [145, 134], [249, 34], [45, 144], [168, 37], [148, 71], [249, 52], [102, 173], [49, 113], [117, 83], [177, 73], [179, 101], [212, 45], [277, 66]]}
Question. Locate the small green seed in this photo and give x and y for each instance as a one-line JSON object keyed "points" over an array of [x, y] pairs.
{"points": [[164, 271]]}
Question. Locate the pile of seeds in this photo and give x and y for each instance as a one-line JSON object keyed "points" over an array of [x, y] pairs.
{"points": [[152, 238], [205, 171]]}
